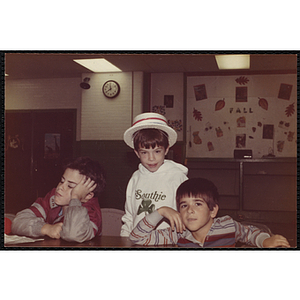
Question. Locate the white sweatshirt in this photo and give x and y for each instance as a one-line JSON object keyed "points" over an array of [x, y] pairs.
{"points": [[148, 191]]}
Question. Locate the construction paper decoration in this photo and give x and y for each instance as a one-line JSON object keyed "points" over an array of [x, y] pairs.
{"points": [[290, 110], [242, 80], [197, 115], [285, 91], [200, 92], [197, 139], [263, 103], [220, 104]]}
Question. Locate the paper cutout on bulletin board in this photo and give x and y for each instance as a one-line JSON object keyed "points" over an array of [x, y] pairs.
{"points": [[219, 132], [197, 115], [242, 80], [220, 104], [241, 122], [197, 140], [268, 131], [285, 91], [289, 111], [284, 125], [239, 110], [263, 103], [208, 126], [200, 92], [241, 94]]}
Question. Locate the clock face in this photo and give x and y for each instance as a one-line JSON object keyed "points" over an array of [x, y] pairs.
{"points": [[111, 89]]}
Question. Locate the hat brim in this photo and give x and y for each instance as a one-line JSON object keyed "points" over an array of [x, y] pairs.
{"points": [[128, 135]]}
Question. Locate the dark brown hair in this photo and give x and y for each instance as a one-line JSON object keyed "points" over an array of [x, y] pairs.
{"points": [[198, 187], [91, 169], [151, 137]]}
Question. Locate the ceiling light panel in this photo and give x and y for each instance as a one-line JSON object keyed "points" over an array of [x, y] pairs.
{"points": [[98, 65], [233, 61]]}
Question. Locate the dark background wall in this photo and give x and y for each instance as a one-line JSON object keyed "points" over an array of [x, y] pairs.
{"points": [[119, 162]]}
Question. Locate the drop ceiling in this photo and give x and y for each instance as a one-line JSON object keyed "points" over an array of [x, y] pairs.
{"points": [[61, 64]]}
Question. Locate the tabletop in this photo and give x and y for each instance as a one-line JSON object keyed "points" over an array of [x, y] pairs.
{"points": [[104, 242]]}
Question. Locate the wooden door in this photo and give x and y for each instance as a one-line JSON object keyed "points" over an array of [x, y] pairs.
{"points": [[46, 138]]}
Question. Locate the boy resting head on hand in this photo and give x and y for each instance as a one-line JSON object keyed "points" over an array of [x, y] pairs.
{"points": [[71, 210]]}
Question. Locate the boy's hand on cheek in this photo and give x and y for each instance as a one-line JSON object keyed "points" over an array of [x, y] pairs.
{"points": [[52, 231], [83, 188], [173, 216], [276, 241]]}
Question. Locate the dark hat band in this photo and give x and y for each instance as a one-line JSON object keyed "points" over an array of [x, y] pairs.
{"points": [[149, 119]]}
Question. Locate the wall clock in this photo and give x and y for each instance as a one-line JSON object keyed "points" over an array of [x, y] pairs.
{"points": [[111, 89]]}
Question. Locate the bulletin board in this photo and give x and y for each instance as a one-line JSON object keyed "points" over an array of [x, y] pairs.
{"points": [[257, 112]]}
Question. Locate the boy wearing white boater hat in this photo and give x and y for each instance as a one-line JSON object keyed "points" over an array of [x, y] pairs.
{"points": [[155, 182]]}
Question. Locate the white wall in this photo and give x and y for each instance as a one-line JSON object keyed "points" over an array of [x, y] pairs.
{"points": [[98, 118], [54, 93], [107, 119]]}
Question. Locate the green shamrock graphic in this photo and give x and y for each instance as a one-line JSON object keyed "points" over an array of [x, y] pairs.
{"points": [[146, 206]]}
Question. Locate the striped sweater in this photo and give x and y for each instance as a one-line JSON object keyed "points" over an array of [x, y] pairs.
{"points": [[224, 233]]}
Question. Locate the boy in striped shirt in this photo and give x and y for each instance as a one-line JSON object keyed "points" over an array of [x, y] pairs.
{"points": [[195, 224]]}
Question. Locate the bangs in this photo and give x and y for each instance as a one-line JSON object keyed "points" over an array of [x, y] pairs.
{"points": [[198, 187], [207, 197], [150, 138], [150, 143], [203, 196]]}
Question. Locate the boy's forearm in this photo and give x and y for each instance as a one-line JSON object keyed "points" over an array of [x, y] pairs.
{"points": [[28, 224], [250, 235], [145, 234], [142, 231], [261, 238], [77, 225]]}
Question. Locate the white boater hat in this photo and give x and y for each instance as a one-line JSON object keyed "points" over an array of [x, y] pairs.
{"points": [[149, 120]]}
